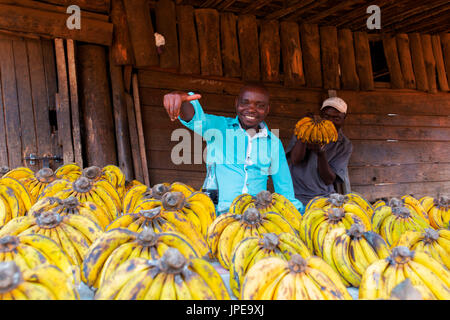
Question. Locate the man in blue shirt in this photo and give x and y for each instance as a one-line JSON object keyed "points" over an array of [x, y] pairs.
{"points": [[245, 151]]}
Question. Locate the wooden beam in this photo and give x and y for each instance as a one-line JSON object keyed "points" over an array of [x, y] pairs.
{"points": [[63, 104], [225, 5], [140, 130], [166, 24], [391, 54], [230, 48], [445, 41], [347, 60], [187, 36], [121, 49], [254, 6], [330, 57], [288, 10], [418, 61], [270, 49], [292, 54], [208, 27], [53, 24], [89, 5], [363, 61], [141, 33], [430, 63], [315, 18], [310, 41], [404, 55], [134, 139], [427, 14], [440, 67], [297, 15], [249, 47], [74, 102]]}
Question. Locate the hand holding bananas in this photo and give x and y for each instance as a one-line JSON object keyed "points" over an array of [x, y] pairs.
{"points": [[316, 130]]}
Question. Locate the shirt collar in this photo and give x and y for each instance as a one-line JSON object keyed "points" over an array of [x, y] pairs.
{"points": [[264, 132]]}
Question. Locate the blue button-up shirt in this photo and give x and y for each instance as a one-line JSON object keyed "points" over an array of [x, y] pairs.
{"points": [[243, 162]]}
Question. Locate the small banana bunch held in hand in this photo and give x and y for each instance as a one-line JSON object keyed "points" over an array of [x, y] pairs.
{"points": [[316, 130]]}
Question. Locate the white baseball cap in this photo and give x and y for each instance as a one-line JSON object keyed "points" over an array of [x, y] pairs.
{"points": [[336, 103]]}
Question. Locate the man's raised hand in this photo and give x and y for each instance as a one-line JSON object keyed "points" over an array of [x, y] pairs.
{"points": [[174, 100]]}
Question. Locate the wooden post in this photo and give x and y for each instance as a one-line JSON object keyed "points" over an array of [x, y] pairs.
{"points": [[330, 57], [166, 24], [269, 43], [121, 121], [310, 39], [63, 105], [363, 61], [404, 55], [122, 52], [127, 74], [96, 105], [445, 40], [209, 41], [391, 54], [134, 139], [347, 60], [430, 63], [230, 48], [249, 47], [418, 61], [140, 130], [292, 54], [141, 33], [440, 67], [3, 144], [74, 102], [189, 55]]}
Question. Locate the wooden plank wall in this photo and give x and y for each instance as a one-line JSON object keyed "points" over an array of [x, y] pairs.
{"points": [[400, 133], [27, 97]]}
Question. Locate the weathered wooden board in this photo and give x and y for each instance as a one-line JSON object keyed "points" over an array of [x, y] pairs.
{"points": [[122, 51], [53, 24], [391, 54], [347, 60], [418, 61], [230, 47], [269, 47], [310, 41], [445, 40], [404, 55], [194, 179], [440, 66], [90, 5], [247, 29], [208, 32], [3, 144], [189, 54], [166, 24], [141, 32], [48, 51], [363, 61], [291, 53], [329, 50], [430, 63], [134, 140]]}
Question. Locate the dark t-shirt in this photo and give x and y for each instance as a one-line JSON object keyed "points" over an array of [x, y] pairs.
{"points": [[305, 176]]}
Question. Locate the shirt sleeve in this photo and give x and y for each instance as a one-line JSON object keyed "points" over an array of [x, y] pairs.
{"points": [[339, 163], [282, 179], [200, 121]]}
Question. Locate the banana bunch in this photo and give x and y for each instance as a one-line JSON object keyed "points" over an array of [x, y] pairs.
{"points": [[101, 192], [229, 229], [34, 182], [436, 243], [72, 205], [120, 245], [317, 223], [252, 249], [31, 250], [316, 130], [131, 184], [414, 205], [69, 171], [44, 282], [378, 203], [110, 173], [74, 233], [274, 278], [172, 277], [352, 202], [15, 200], [267, 202], [438, 211], [160, 220], [350, 251], [426, 274], [392, 220]]}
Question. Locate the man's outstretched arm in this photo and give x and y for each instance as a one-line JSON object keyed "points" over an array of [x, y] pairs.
{"points": [[177, 104]]}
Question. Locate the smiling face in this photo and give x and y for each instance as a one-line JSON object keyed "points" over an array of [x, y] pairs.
{"points": [[252, 106]]}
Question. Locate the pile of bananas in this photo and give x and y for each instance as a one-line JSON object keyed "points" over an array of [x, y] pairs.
{"points": [[252, 249], [316, 130], [438, 211], [352, 202], [427, 275], [351, 251], [229, 229], [265, 201], [172, 277], [274, 278]]}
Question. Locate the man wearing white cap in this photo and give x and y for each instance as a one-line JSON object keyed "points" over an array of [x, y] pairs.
{"points": [[314, 169]]}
